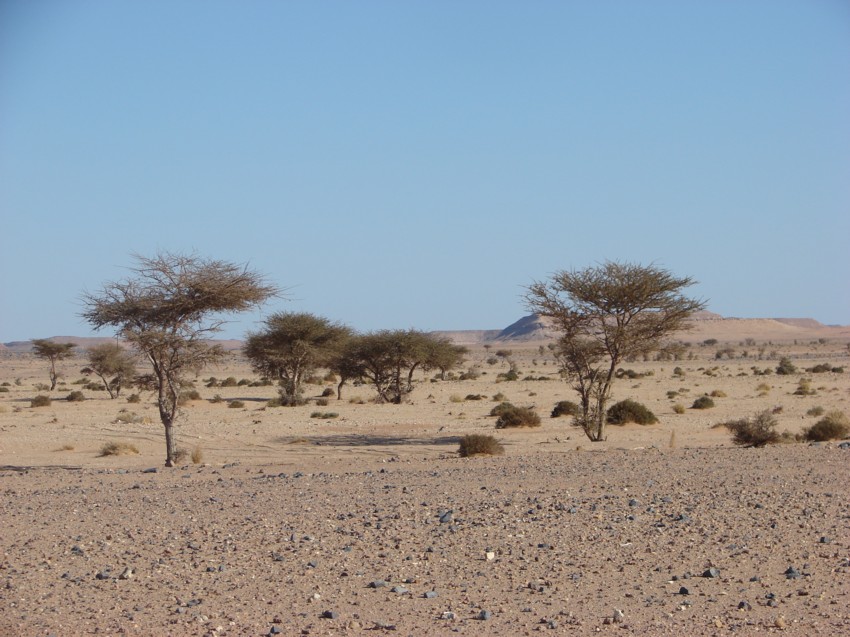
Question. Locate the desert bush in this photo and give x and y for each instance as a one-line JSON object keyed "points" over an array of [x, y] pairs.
{"points": [[230, 381], [703, 402], [188, 396], [134, 398], [825, 367], [216, 399], [631, 374], [40, 401], [672, 394], [42, 387], [327, 392], [4, 390], [501, 408], [213, 382], [785, 366], [324, 415], [678, 371], [763, 387], [197, 455], [356, 400], [75, 397], [180, 455], [474, 397], [500, 397], [235, 404], [678, 408], [479, 445], [470, 374], [834, 426], [517, 417], [627, 411], [718, 393], [815, 411], [322, 402], [564, 408], [274, 402], [510, 375], [758, 431], [118, 449], [804, 388], [455, 398]]}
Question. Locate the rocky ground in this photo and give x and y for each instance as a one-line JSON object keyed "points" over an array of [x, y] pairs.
{"points": [[370, 523]]}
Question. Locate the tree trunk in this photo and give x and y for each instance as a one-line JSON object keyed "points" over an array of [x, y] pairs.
{"points": [[170, 443]]}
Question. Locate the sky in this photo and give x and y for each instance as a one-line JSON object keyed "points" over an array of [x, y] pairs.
{"points": [[418, 164]]}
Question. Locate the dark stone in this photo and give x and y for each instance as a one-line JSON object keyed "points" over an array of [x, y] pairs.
{"points": [[684, 591], [330, 614], [484, 615], [712, 573], [430, 594]]}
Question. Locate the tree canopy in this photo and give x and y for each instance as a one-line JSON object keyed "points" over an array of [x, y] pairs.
{"points": [[52, 352], [168, 309], [606, 314]]}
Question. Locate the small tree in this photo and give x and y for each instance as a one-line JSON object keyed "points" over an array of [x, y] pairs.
{"points": [[292, 345], [52, 352], [442, 354], [113, 364], [607, 314], [168, 310], [389, 358]]}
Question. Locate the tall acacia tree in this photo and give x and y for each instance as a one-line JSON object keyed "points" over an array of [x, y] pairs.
{"points": [[167, 310], [606, 314], [291, 346], [52, 352]]}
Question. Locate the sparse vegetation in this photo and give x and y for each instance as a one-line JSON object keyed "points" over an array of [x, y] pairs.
{"points": [[565, 408], [40, 401], [197, 455], [804, 388], [324, 415], [815, 411], [118, 449], [785, 367], [479, 445], [113, 364], [718, 393], [757, 431], [235, 404], [703, 402], [834, 426], [678, 408], [517, 417], [75, 397], [627, 411], [53, 353], [134, 398]]}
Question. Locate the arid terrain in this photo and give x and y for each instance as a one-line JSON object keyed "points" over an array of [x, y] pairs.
{"points": [[289, 523]]}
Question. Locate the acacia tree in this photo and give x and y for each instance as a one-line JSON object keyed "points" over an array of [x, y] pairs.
{"points": [[606, 314], [168, 310], [292, 345], [52, 352], [113, 364], [389, 358], [441, 354]]}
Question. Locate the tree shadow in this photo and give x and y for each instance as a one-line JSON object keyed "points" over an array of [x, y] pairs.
{"points": [[366, 440]]}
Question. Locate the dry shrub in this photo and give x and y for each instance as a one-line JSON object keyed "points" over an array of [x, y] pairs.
{"points": [[75, 397], [133, 398], [180, 456], [815, 411], [455, 398], [517, 417], [197, 455], [834, 426], [564, 408], [236, 404], [679, 408], [703, 402], [757, 431], [480, 445], [322, 402], [324, 415], [40, 401], [499, 409], [118, 449], [718, 393], [500, 397], [627, 411], [66, 447]]}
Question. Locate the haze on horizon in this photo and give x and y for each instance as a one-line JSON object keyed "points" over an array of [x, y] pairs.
{"points": [[418, 164]]}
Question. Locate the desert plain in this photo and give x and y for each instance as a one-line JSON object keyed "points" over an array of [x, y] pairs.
{"points": [[294, 521]]}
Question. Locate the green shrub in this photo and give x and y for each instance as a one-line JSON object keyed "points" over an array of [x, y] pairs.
{"points": [[479, 445], [518, 417], [189, 395], [757, 431], [230, 381], [678, 371], [627, 411], [703, 402], [510, 375], [235, 404], [75, 397], [213, 382], [834, 426], [324, 415], [500, 397], [785, 366], [40, 401], [564, 408], [4, 390]]}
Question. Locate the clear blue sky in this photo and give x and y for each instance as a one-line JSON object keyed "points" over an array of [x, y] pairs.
{"points": [[416, 164]]}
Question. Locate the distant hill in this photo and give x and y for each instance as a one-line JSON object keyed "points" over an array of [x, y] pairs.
{"points": [[534, 328]]}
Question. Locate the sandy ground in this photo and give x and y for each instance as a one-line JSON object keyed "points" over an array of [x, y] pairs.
{"points": [[370, 521]]}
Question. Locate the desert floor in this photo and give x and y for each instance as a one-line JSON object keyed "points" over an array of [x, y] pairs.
{"points": [[369, 521]]}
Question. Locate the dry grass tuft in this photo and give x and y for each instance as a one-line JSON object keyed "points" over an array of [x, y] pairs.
{"points": [[480, 445], [66, 447], [197, 455], [118, 449]]}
